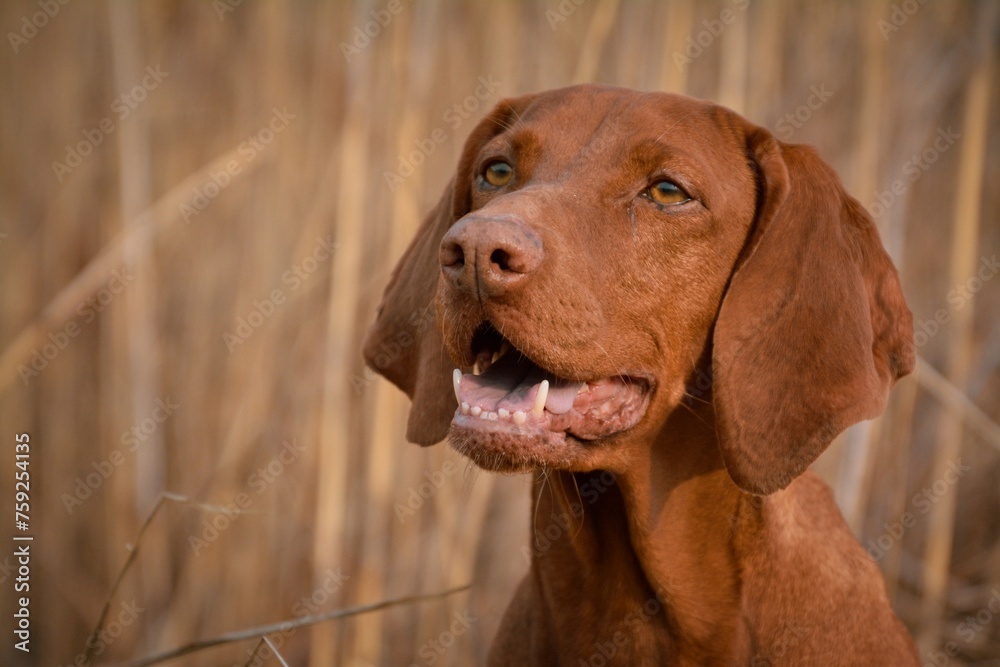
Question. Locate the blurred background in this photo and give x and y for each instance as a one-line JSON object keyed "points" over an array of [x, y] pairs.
{"points": [[200, 203]]}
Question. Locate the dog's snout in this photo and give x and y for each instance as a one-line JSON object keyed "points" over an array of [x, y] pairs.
{"points": [[490, 256]]}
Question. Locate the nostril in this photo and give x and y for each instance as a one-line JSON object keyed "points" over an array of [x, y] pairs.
{"points": [[452, 255], [501, 259]]}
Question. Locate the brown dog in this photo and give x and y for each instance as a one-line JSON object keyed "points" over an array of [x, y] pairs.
{"points": [[668, 315]]}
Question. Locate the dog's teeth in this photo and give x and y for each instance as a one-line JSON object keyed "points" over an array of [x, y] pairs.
{"points": [[465, 408], [456, 378], [543, 393], [475, 369], [503, 414], [519, 417], [484, 415], [492, 416], [475, 410]]}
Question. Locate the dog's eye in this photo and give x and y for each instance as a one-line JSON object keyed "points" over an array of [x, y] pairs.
{"points": [[666, 192], [498, 174]]}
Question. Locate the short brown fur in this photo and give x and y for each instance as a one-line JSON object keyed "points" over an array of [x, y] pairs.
{"points": [[765, 317]]}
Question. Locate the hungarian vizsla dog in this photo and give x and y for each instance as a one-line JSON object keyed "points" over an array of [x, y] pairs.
{"points": [[667, 315]]}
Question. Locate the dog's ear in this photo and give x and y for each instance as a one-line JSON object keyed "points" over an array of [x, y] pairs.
{"points": [[404, 344], [813, 329]]}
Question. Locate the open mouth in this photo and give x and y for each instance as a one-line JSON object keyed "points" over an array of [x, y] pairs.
{"points": [[509, 393]]}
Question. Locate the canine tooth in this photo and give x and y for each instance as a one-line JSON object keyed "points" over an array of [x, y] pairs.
{"points": [[475, 410], [504, 346], [475, 369], [456, 378], [503, 413], [543, 393], [465, 408], [519, 417]]}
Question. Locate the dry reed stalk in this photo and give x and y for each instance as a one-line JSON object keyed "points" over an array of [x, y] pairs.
{"points": [[136, 345], [381, 479], [964, 259], [680, 19], [899, 445], [602, 20], [858, 460], [955, 400], [766, 71], [332, 471], [734, 54]]}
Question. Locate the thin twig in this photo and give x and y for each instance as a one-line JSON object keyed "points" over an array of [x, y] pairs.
{"points": [[133, 552], [946, 392], [264, 641], [285, 626], [274, 650]]}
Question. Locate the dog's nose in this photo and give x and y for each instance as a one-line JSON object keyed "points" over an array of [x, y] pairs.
{"points": [[490, 256]]}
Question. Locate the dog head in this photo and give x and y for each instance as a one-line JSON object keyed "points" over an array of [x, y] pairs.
{"points": [[599, 251]]}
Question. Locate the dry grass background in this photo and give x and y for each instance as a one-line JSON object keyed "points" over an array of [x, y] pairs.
{"points": [[330, 506]]}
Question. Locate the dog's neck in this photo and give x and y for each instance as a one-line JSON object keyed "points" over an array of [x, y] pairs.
{"points": [[647, 553]]}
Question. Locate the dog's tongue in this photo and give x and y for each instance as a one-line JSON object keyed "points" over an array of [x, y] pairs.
{"points": [[513, 385]]}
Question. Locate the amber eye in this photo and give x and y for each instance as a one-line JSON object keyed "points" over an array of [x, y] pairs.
{"points": [[666, 192], [498, 174]]}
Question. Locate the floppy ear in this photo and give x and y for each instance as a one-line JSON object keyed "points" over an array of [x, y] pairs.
{"points": [[404, 343], [813, 330]]}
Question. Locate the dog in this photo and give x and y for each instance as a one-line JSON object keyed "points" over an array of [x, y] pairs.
{"points": [[666, 315]]}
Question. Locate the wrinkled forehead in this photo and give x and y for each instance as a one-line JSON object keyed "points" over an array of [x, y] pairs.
{"points": [[575, 128]]}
